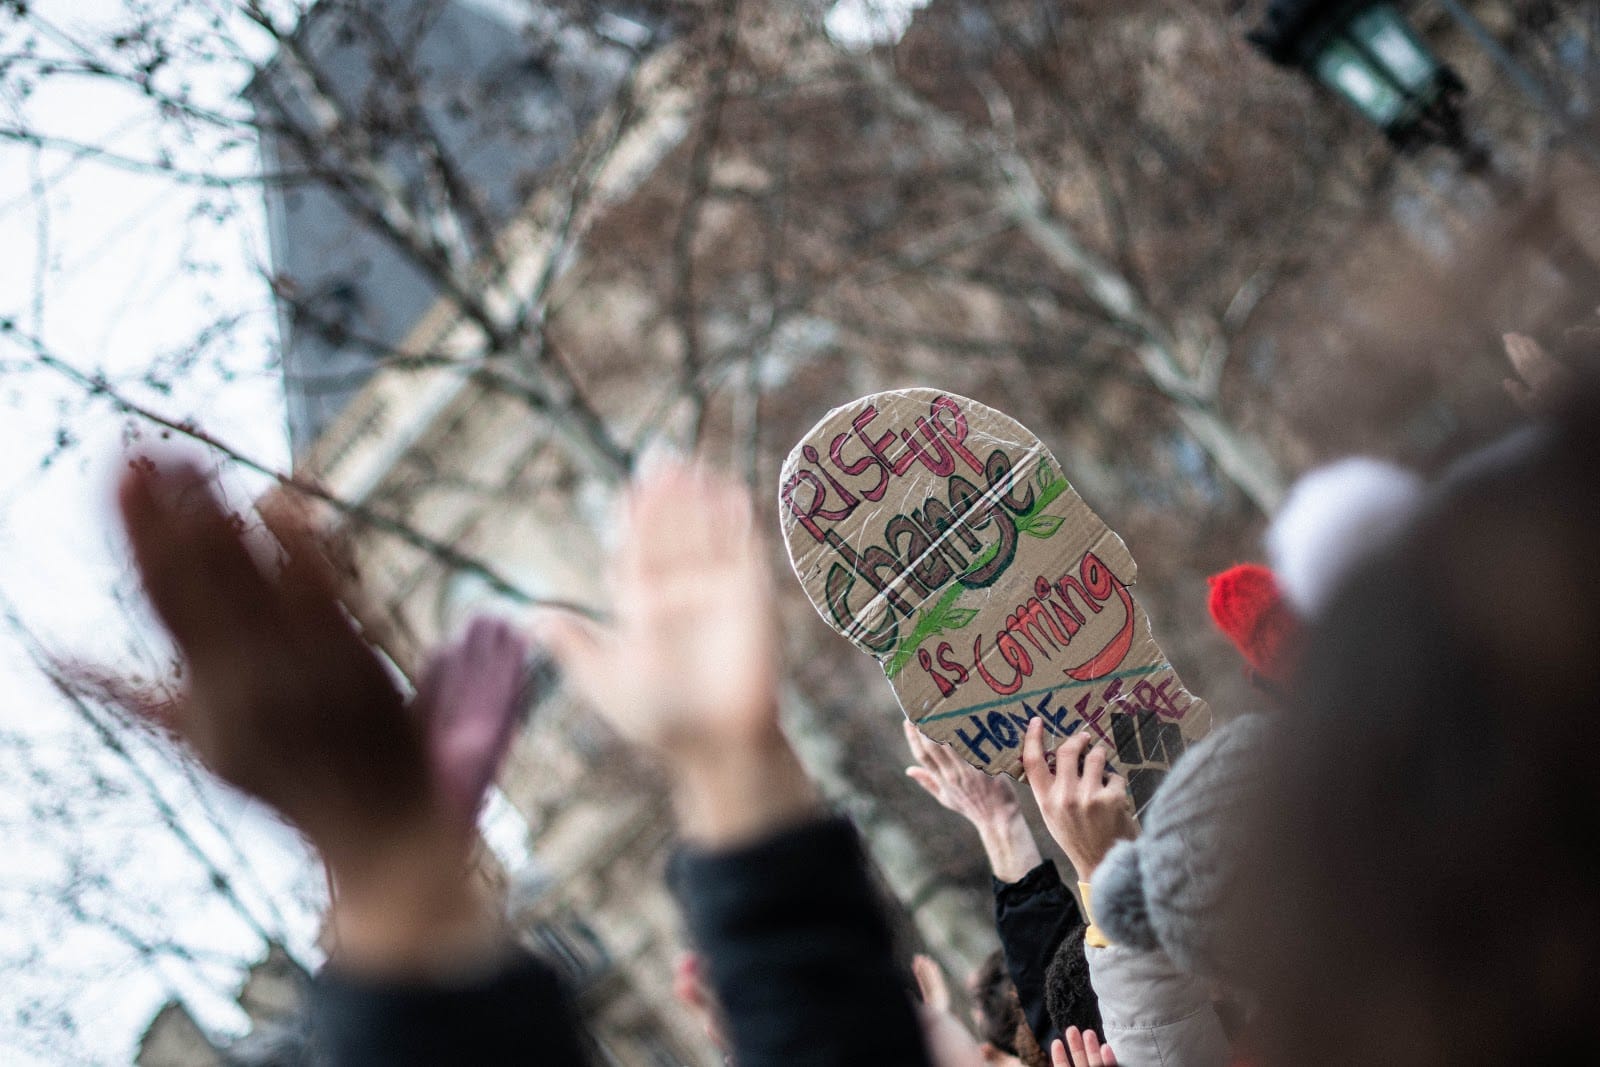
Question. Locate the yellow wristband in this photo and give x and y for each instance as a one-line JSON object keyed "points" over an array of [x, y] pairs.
{"points": [[1092, 935]]}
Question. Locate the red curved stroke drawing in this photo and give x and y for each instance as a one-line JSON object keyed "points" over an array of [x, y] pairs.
{"points": [[1105, 661]]}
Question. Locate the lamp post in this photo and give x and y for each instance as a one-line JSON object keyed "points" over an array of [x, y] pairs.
{"points": [[1367, 53]]}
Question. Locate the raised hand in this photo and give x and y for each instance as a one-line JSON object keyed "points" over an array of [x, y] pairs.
{"points": [[285, 701], [956, 784], [1086, 811], [931, 982], [989, 803], [691, 658], [689, 666], [949, 1043]]}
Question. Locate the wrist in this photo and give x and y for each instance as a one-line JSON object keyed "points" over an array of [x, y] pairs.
{"points": [[424, 927], [735, 793], [411, 907], [1010, 846], [1085, 863], [999, 821]]}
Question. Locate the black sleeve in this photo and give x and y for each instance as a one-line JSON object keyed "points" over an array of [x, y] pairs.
{"points": [[799, 953], [1034, 915], [517, 1014]]}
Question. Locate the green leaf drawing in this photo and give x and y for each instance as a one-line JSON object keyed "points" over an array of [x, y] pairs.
{"points": [[1051, 488], [1040, 525], [959, 617], [1034, 522], [942, 617]]}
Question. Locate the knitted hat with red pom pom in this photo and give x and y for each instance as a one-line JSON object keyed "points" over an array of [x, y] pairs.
{"points": [[1249, 609]]}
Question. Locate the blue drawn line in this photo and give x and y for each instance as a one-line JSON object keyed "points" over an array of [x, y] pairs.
{"points": [[1074, 684]]}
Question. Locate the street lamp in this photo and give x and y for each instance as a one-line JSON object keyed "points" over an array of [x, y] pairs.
{"points": [[1366, 52]]}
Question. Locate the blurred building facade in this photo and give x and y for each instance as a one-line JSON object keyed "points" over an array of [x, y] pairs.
{"points": [[842, 241], [501, 92], [466, 465]]}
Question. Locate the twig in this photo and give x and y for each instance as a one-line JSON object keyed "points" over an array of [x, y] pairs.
{"points": [[114, 744], [684, 308], [98, 385]]}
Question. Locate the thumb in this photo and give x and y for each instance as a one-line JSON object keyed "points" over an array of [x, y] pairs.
{"points": [[930, 982]]}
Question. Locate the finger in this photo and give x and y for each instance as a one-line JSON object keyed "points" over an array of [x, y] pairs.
{"points": [[734, 518], [1069, 755], [1520, 394], [1094, 770], [194, 565], [930, 981], [1107, 1057], [1524, 353], [473, 714], [1117, 785], [945, 760], [914, 741], [1091, 1048], [927, 781], [933, 756], [1074, 1038], [309, 581], [494, 648], [959, 770], [669, 527], [1034, 769], [728, 516], [1058, 1054]]}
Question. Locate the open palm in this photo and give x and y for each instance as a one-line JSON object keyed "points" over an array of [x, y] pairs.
{"points": [[690, 659]]}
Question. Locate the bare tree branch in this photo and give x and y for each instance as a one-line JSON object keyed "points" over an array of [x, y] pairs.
{"points": [[448, 555], [684, 309]]}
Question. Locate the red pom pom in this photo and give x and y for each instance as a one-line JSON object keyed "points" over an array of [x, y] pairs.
{"points": [[1250, 611]]}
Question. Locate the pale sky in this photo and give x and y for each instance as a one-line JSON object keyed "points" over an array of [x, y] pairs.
{"points": [[130, 268], [116, 272], [95, 267]]}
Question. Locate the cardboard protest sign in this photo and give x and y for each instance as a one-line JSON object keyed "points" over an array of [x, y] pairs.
{"points": [[943, 539]]}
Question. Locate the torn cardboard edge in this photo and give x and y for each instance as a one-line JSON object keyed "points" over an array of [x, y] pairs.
{"points": [[906, 538]]}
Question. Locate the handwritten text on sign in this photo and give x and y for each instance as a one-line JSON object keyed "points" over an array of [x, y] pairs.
{"points": [[915, 514]]}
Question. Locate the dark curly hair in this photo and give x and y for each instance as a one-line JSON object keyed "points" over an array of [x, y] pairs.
{"points": [[1068, 996]]}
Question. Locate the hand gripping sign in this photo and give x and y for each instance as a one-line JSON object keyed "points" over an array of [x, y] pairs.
{"points": [[942, 538]]}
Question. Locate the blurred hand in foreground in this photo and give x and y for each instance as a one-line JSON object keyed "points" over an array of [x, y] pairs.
{"points": [[285, 701], [949, 1043], [1540, 380], [689, 666], [469, 698]]}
